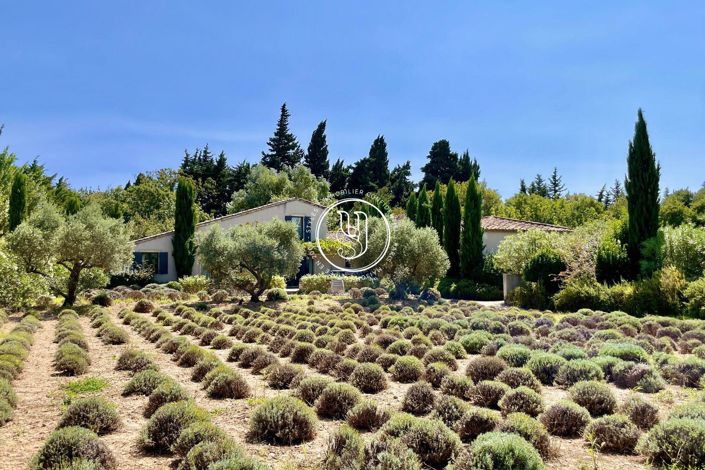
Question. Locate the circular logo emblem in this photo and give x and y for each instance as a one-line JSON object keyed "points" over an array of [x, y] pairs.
{"points": [[352, 231]]}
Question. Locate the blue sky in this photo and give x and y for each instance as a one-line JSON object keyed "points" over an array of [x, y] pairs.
{"points": [[102, 90]]}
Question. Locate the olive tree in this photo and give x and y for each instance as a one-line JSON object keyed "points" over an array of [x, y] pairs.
{"points": [[415, 255], [247, 257], [63, 250]]}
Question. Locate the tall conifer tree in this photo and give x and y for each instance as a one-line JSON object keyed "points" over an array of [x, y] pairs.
{"points": [[642, 188], [437, 211], [423, 209], [18, 200], [451, 230], [442, 163], [284, 149], [316, 158], [338, 178], [471, 245], [411, 206], [185, 218], [555, 185], [378, 162]]}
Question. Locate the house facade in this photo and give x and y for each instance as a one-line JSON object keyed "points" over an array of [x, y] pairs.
{"points": [[497, 229], [156, 250]]}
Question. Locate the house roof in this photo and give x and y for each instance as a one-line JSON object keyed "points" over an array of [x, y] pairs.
{"points": [[236, 214], [503, 224]]}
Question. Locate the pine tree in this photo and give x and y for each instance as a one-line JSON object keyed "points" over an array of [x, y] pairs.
{"points": [[467, 168], [284, 150], [411, 206], [338, 178], [400, 184], [18, 200], [451, 230], [361, 177], [602, 196], [555, 185], [379, 162], [442, 164], [183, 241], [316, 158], [642, 188], [522, 187], [538, 186], [616, 191], [423, 209], [437, 211], [471, 245]]}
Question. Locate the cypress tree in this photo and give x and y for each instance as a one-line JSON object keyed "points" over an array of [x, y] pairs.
{"points": [[423, 209], [400, 184], [467, 168], [642, 188], [183, 241], [451, 231], [18, 200], [522, 187], [284, 150], [471, 258], [437, 211], [378, 163], [316, 158], [411, 205]]}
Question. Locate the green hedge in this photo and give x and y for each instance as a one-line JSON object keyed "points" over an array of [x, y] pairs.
{"points": [[321, 282]]}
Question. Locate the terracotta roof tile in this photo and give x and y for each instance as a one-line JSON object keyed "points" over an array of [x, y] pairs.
{"points": [[512, 225]]}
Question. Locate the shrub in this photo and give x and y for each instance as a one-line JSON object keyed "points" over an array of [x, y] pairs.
{"points": [[675, 443], [134, 360], [518, 376], [430, 439], [336, 400], [7, 394], [515, 355], [578, 370], [495, 450], [166, 424], [310, 388], [419, 399], [197, 432], [369, 378], [205, 453], [545, 366], [5, 412], [579, 294], [70, 445], [276, 295], [389, 454], [456, 386], [407, 369], [485, 368], [635, 375], [695, 293], [694, 410], [281, 376], [476, 421], [367, 415], [345, 449], [613, 433], [521, 399], [565, 419], [435, 372], [226, 383], [168, 392], [94, 413], [143, 306], [530, 429], [71, 359], [624, 351], [282, 420], [640, 412], [596, 397], [449, 409], [238, 463], [488, 393], [544, 268], [194, 284]]}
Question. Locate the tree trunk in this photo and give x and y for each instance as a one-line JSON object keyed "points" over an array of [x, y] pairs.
{"points": [[72, 286]]}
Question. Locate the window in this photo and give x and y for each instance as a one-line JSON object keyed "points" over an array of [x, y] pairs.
{"points": [[157, 261], [299, 222]]}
